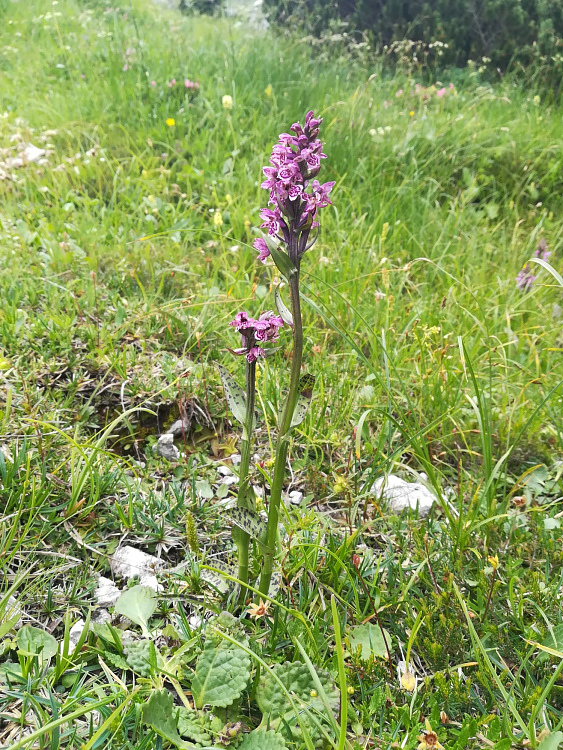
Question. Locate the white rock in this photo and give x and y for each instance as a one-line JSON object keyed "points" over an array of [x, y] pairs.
{"points": [[402, 495], [295, 497], [236, 459], [166, 448], [76, 631], [228, 480], [178, 429], [129, 562], [224, 471], [102, 617], [195, 621], [106, 593], [151, 581]]}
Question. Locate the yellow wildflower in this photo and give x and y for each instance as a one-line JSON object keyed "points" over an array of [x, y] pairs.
{"points": [[269, 90], [218, 219], [259, 610], [411, 113], [227, 101], [170, 121], [494, 561], [429, 740], [408, 681]]}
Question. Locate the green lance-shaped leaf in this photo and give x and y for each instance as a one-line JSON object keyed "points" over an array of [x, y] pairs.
{"points": [[369, 640], [284, 312], [36, 642], [138, 604], [296, 678], [161, 714], [236, 397], [283, 261], [221, 674], [306, 385], [249, 521], [263, 740]]}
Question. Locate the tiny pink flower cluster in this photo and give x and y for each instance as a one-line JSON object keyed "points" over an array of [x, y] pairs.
{"points": [[190, 85], [263, 330]]}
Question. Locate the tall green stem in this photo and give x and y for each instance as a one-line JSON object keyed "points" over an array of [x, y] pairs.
{"points": [[244, 499], [282, 444]]}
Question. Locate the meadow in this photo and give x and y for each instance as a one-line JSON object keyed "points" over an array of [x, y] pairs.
{"points": [[131, 145]]}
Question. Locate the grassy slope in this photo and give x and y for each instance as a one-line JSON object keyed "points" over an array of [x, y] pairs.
{"points": [[439, 213]]}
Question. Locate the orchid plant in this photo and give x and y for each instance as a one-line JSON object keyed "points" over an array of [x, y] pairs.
{"points": [[292, 222]]}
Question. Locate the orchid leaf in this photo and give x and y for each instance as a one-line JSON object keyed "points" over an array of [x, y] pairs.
{"points": [[236, 397], [249, 521], [283, 262], [306, 385], [284, 312]]}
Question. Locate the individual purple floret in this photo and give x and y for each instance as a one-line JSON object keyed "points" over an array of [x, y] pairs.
{"points": [[526, 278], [263, 250], [295, 195], [263, 330]]}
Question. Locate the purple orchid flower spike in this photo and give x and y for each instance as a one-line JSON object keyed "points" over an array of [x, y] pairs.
{"points": [[263, 330], [295, 196], [527, 278]]}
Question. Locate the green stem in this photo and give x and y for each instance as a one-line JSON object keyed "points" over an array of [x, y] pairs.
{"points": [[282, 444], [242, 538]]}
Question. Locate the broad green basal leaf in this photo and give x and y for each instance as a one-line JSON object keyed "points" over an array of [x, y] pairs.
{"points": [[36, 642], [297, 680], [553, 741], [138, 604], [221, 674], [199, 726], [263, 740], [160, 713], [236, 397], [369, 640]]}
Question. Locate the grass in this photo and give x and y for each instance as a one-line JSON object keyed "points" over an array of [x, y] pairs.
{"points": [[124, 257]]}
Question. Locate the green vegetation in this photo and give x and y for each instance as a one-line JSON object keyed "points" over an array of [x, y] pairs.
{"points": [[507, 33], [126, 250]]}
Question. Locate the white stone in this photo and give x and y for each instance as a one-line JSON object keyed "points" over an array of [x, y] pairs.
{"points": [[224, 471], [178, 429], [129, 562], [166, 448], [106, 593], [228, 480], [102, 617], [402, 495], [295, 497], [76, 631]]}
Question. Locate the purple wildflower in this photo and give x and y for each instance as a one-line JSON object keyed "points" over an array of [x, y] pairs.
{"points": [[295, 196], [266, 328], [263, 250], [526, 278]]}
